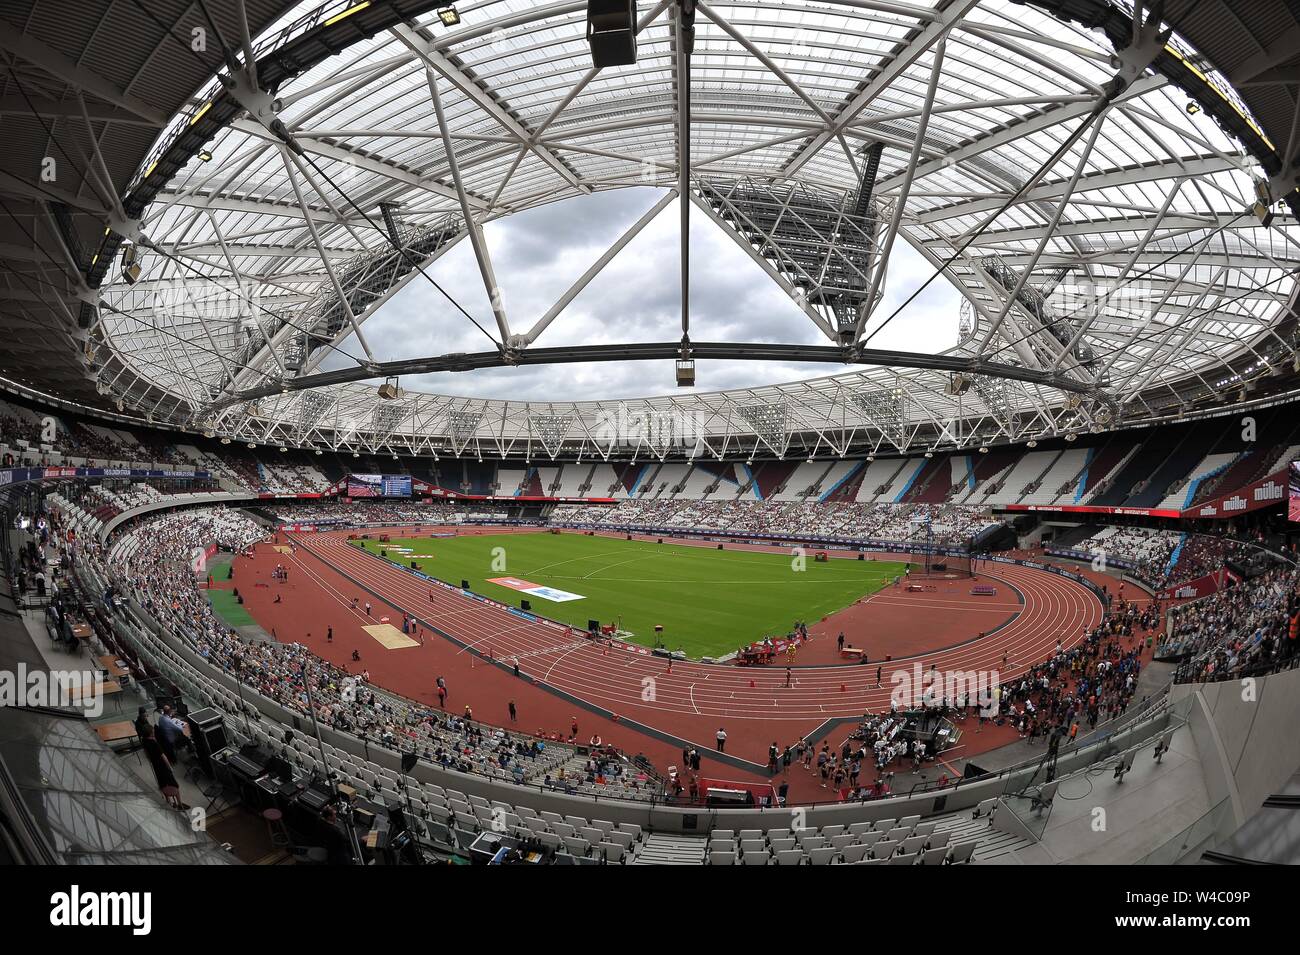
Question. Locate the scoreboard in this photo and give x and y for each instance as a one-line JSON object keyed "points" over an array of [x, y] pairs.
{"points": [[379, 485]]}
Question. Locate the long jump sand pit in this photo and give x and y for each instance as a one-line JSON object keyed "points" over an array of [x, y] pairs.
{"points": [[389, 637]]}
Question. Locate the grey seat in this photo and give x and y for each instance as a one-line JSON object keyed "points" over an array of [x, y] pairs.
{"points": [[884, 848], [824, 855], [962, 852]]}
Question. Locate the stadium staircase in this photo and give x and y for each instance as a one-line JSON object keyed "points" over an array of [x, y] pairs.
{"points": [[1177, 464], [1141, 466], [661, 848], [929, 487]]}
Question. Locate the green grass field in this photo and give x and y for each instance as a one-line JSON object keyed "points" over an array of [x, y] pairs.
{"points": [[709, 602], [230, 610]]}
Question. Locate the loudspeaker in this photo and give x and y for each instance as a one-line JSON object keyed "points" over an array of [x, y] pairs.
{"points": [[593, 625], [208, 733], [464, 584], [861, 556], [525, 605], [408, 762], [611, 32], [719, 547], [414, 566]]}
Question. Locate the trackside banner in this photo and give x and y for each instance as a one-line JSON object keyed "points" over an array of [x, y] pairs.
{"points": [[24, 475], [1265, 492], [1094, 509], [1199, 587]]}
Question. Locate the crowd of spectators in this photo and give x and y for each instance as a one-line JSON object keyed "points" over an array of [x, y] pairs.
{"points": [[1248, 626], [387, 511], [1166, 558], [152, 563], [946, 524]]}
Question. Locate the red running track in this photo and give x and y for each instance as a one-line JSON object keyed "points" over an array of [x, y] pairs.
{"points": [[685, 702]]}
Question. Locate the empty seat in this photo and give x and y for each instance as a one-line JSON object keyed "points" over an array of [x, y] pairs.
{"points": [[903, 859], [789, 856], [855, 853], [840, 841], [899, 833], [937, 840], [752, 845], [612, 851], [924, 829], [722, 858], [934, 856], [962, 852], [756, 858], [884, 849], [824, 855], [913, 845]]}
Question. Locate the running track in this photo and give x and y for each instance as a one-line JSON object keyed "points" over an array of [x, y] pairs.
{"points": [[691, 699]]}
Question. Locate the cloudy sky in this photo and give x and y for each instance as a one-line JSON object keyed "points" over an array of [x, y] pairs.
{"points": [[539, 253]]}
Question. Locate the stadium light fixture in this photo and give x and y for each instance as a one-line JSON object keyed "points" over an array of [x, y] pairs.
{"points": [[1193, 107], [225, 440], [251, 446], [984, 449], [130, 265], [205, 155], [449, 16], [1031, 443], [929, 454], [388, 391], [1071, 437]]}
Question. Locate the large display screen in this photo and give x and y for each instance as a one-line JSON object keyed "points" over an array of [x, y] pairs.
{"points": [[379, 485], [1293, 499]]}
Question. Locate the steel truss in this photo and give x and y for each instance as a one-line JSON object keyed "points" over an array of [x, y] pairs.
{"points": [[1128, 273]]}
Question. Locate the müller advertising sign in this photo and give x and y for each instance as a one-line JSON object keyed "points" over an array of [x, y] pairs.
{"points": [[1262, 493]]}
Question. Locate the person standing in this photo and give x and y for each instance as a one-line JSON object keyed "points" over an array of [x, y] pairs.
{"points": [[722, 740], [514, 714], [329, 634]]}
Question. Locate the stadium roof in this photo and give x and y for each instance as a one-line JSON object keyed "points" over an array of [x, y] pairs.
{"points": [[1087, 184]]}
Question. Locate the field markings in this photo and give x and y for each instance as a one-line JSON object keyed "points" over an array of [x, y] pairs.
{"points": [[617, 563], [1057, 597]]}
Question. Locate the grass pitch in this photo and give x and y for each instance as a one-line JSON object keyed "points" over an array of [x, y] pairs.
{"points": [[709, 602]]}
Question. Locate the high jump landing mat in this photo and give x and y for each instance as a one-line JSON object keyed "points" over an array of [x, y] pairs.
{"points": [[389, 637]]}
